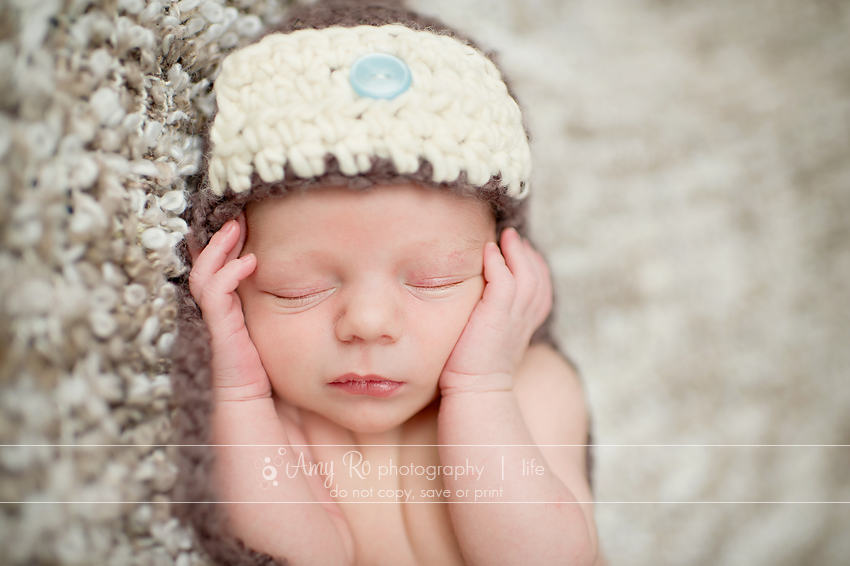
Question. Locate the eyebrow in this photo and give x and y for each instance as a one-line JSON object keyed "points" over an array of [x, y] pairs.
{"points": [[468, 243]]}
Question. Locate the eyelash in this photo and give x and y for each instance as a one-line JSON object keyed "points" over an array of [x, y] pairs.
{"points": [[301, 300], [436, 287]]}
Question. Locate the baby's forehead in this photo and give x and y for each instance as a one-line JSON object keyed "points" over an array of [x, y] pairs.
{"points": [[413, 217], [408, 198]]}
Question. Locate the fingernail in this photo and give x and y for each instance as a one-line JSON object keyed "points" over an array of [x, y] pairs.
{"points": [[229, 226], [246, 258]]}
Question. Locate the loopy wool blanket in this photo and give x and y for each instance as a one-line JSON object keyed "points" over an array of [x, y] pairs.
{"points": [[101, 104]]}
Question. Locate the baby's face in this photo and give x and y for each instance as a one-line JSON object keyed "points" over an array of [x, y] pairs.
{"points": [[359, 297]]}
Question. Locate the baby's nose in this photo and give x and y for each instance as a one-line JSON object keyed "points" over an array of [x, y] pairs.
{"points": [[371, 315]]}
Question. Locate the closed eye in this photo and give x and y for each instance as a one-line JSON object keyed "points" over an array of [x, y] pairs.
{"points": [[294, 301], [437, 287]]}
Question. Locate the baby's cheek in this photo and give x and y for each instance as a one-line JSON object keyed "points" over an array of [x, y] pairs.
{"points": [[442, 333]]}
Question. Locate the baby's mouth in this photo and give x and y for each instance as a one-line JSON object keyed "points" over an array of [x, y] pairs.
{"points": [[371, 385]]}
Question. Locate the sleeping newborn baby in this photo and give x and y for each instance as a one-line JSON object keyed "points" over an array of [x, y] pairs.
{"points": [[383, 391]]}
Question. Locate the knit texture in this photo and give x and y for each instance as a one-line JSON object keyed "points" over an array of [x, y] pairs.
{"points": [[288, 99], [100, 104]]}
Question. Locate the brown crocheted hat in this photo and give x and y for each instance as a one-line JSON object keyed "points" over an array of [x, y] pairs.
{"points": [[293, 112]]}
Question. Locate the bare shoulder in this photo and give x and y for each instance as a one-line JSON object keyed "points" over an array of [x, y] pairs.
{"points": [[551, 397], [552, 402]]}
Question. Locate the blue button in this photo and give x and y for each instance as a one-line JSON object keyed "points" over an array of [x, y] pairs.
{"points": [[379, 75]]}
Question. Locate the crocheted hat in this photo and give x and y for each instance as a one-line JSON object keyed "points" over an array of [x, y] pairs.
{"points": [[357, 93], [364, 93], [344, 93]]}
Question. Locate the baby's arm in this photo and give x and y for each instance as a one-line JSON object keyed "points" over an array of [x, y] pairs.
{"points": [[287, 520], [488, 384]]}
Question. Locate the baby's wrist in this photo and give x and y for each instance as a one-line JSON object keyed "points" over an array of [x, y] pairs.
{"points": [[233, 396], [244, 422], [453, 384]]}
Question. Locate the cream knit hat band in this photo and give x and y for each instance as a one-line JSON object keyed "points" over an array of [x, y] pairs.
{"points": [[289, 100]]}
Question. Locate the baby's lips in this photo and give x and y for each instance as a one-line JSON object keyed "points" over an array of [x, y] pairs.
{"points": [[357, 377], [370, 385]]}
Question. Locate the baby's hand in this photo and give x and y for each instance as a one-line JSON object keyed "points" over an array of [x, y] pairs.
{"points": [[517, 299], [237, 372]]}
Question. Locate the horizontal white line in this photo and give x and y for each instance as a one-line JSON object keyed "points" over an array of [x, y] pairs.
{"points": [[410, 502], [454, 445]]}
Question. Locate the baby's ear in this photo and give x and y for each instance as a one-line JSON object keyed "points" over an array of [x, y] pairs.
{"points": [[243, 232]]}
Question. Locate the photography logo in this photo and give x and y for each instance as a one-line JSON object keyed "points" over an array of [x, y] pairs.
{"points": [[268, 468]]}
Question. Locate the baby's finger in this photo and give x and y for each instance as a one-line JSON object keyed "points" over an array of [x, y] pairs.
{"points": [[543, 299], [500, 290], [240, 242], [515, 251], [217, 299], [519, 261], [212, 258], [538, 288]]}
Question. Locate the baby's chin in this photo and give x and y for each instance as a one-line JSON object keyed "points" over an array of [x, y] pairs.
{"points": [[366, 415], [363, 414], [371, 421]]}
